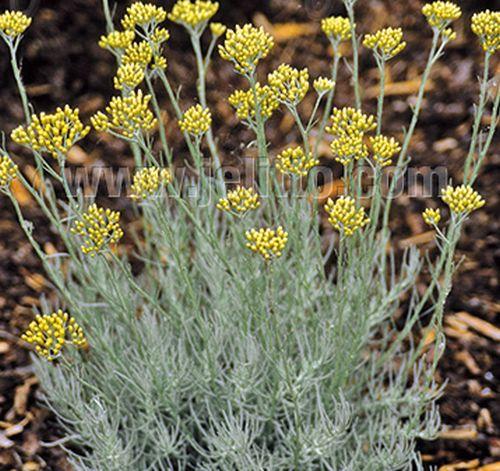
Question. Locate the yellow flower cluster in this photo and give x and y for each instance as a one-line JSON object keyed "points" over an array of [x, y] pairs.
{"points": [[244, 102], [440, 14], [218, 29], [13, 23], [432, 216], [8, 171], [384, 148], [344, 216], [51, 332], [245, 46], [160, 35], [193, 15], [294, 160], [53, 133], [126, 115], [129, 76], [117, 40], [387, 42], [486, 25], [291, 85], [269, 243], [349, 126], [337, 28], [323, 85], [239, 200], [138, 53], [99, 227], [145, 15], [196, 120], [462, 199], [148, 181]]}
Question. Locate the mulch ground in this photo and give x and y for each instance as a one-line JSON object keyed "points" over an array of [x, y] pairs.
{"points": [[63, 64]]}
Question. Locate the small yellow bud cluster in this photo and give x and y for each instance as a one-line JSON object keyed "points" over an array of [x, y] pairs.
{"points": [[193, 15], [384, 148], [344, 216], [269, 243], [13, 23], [337, 28], [291, 85], [432, 216], [160, 35], [117, 40], [51, 332], [386, 43], [440, 14], [99, 228], [126, 115], [244, 102], [294, 160], [129, 76], [349, 126], [218, 29], [486, 25], [145, 15], [53, 133], [8, 171], [323, 85], [462, 199], [245, 46], [138, 53], [196, 120], [239, 200], [148, 181]]}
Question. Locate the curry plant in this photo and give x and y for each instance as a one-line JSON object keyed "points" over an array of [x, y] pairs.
{"points": [[260, 330]]}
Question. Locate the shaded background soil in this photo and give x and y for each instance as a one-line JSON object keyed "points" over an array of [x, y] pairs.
{"points": [[63, 64]]}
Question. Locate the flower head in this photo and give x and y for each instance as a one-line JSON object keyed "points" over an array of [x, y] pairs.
{"points": [[126, 115], [337, 28], [243, 101], [291, 85], [432, 216], [117, 40], [269, 243], [148, 181], [129, 76], [294, 160], [145, 15], [486, 25], [51, 332], [218, 29], [384, 148], [245, 47], [193, 15], [344, 216], [323, 85], [53, 133], [387, 42], [440, 14], [99, 228], [8, 171], [239, 200], [13, 23], [196, 120], [349, 120], [349, 126], [138, 53], [462, 199]]}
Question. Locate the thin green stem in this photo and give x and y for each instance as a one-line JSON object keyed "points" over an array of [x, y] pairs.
{"points": [[355, 53], [107, 14], [478, 117], [202, 93], [381, 94], [157, 110], [17, 75]]}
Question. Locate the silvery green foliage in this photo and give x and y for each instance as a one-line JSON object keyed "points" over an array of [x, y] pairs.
{"points": [[247, 365]]}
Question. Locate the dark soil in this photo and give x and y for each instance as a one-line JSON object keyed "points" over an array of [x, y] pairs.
{"points": [[63, 64]]}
